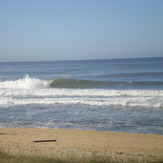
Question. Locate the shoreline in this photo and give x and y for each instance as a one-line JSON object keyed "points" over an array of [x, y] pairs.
{"points": [[79, 142]]}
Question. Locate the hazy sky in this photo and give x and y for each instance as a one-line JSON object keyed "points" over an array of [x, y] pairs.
{"points": [[32, 30]]}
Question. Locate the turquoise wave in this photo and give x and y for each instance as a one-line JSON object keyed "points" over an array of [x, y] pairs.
{"points": [[74, 83]]}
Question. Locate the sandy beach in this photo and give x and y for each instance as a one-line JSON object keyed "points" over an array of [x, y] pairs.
{"points": [[80, 142]]}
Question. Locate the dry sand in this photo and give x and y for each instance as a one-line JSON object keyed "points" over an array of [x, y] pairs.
{"points": [[20, 140]]}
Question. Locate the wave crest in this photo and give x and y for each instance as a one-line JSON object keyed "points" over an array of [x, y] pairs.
{"points": [[25, 83]]}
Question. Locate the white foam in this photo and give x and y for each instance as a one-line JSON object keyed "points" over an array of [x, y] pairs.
{"points": [[99, 97], [29, 91], [25, 83]]}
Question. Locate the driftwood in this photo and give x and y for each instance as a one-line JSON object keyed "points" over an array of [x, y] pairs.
{"points": [[42, 141], [3, 133]]}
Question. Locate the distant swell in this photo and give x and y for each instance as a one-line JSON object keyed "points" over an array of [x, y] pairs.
{"points": [[74, 83], [140, 74]]}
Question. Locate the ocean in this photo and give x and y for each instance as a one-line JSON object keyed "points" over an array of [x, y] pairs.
{"points": [[122, 95]]}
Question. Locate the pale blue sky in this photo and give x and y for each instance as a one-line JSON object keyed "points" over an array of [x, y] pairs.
{"points": [[34, 30]]}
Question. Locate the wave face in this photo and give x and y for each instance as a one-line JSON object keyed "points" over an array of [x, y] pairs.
{"points": [[74, 83]]}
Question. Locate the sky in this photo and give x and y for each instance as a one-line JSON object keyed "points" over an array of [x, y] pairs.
{"points": [[45, 30]]}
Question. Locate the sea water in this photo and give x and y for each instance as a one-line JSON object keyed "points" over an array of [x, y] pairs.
{"points": [[123, 95]]}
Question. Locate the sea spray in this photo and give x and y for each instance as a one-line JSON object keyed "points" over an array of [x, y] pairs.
{"points": [[25, 83]]}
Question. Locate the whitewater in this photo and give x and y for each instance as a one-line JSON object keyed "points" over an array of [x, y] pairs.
{"points": [[109, 95], [36, 91]]}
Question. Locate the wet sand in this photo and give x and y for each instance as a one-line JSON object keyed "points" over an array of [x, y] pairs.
{"points": [[80, 142]]}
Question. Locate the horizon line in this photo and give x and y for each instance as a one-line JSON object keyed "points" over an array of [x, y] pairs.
{"points": [[67, 60]]}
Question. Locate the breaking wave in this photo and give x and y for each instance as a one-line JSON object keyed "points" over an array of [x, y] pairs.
{"points": [[66, 92], [25, 83], [31, 83]]}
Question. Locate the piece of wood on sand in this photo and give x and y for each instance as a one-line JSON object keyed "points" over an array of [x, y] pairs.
{"points": [[42, 141]]}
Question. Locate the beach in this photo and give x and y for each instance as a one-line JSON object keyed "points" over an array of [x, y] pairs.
{"points": [[64, 142]]}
